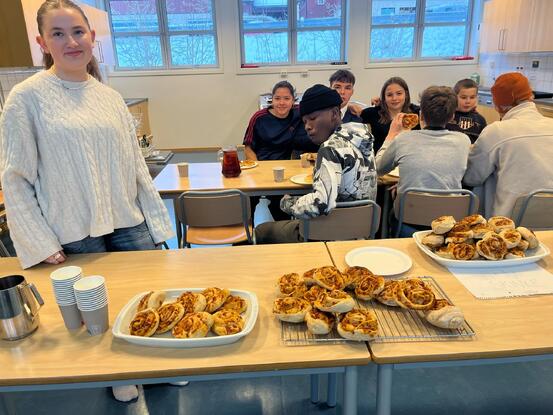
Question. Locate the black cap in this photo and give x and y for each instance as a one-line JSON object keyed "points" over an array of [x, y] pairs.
{"points": [[319, 97]]}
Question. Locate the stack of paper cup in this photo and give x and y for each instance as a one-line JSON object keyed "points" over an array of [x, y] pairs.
{"points": [[92, 301], [62, 282]]}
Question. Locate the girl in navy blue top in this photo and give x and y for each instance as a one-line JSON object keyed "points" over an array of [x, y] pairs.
{"points": [[394, 98], [274, 132]]}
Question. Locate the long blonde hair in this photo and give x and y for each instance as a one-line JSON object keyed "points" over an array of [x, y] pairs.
{"points": [[47, 60]]}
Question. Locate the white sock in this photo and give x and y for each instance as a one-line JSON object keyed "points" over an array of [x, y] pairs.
{"points": [[125, 393], [181, 383]]}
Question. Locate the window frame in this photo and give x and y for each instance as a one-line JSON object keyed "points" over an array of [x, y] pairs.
{"points": [[419, 26], [292, 31], [164, 35]]}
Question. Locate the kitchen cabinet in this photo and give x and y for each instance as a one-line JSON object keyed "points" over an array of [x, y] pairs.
{"points": [[511, 26], [18, 31]]}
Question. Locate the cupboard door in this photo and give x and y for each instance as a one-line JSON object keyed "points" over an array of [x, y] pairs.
{"points": [[518, 26], [491, 27], [541, 27]]}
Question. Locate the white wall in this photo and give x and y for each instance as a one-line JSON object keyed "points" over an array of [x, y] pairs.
{"points": [[203, 110]]}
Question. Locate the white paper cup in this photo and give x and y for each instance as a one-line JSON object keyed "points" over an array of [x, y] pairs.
{"points": [[278, 174], [183, 169], [66, 273], [89, 283]]}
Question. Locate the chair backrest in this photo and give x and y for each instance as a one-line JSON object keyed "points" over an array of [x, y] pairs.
{"points": [[358, 219], [535, 210], [213, 209], [417, 206]]}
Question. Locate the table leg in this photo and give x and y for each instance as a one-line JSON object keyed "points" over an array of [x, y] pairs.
{"points": [[331, 390], [384, 390], [314, 388], [6, 404], [385, 212], [350, 391]]}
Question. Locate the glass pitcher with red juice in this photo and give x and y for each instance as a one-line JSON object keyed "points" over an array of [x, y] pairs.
{"points": [[231, 164]]}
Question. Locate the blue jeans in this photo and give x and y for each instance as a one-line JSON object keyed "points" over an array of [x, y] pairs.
{"points": [[136, 238]]}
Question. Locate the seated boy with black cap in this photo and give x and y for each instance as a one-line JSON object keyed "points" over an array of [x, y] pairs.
{"points": [[344, 170]]}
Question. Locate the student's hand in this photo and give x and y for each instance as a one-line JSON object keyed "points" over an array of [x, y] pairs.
{"points": [[375, 101], [396, 126], [355, 109], [56, 258]]}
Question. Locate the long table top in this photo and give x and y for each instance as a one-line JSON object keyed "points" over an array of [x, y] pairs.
{"points": [[55, 355], [207, 176], [504, 327]]}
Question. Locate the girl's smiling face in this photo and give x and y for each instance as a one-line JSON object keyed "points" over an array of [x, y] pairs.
{"points": [[68, 39]]}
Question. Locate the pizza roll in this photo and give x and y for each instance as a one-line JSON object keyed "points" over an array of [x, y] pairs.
{"points": [[215, 298], [511, 237], [369, 287], [192, 302], [358, 325], [291, 309], [501, 223], [335, 301], [442, 225], [480, 230], [144, 323], [459, 233], [492, 247], [388, 294], [236, 303], [313, 293], [227, 322], [409, 121], [153, 299], [463, 251], [445, 315], [329, 277], [291, 285], [433, 240], [319, 322], [474, 220], [308, 277], [515, 253], [529, 236], [415, 294], [169, 315], [355, 274], [193, 326]]}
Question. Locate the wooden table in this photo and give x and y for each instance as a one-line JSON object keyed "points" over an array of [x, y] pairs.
{"points": [[54, 357], [506, 329], [254, 182]]}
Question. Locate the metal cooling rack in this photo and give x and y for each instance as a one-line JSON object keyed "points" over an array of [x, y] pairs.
{"points": [[395, 324]]}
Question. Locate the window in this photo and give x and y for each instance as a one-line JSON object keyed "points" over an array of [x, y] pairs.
{"points": [[289, 32], [419, 29], [162, 34]]}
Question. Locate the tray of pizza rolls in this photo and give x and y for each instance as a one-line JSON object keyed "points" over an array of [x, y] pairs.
{"points": [[477, 242], [325, 305], [187, 317]]}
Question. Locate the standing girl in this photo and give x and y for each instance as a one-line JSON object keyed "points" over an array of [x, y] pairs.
{"points": [[74, 179]]}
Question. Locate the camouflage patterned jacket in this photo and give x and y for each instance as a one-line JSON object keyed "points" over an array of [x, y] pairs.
{"points": [[344, 171]]}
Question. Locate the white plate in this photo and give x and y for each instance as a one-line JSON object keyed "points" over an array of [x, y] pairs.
{"points": [[394, 172], [302, 179], [533, 255], [379, 260], [121, 326], [247, 166]]}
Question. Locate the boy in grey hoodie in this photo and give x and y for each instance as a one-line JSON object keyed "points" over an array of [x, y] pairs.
{"points": [[344, 170]]}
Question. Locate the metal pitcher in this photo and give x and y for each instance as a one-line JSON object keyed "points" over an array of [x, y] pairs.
{"points": [[19, 305]]}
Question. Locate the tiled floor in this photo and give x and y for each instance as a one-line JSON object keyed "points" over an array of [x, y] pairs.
{"points": [[513, 389]]}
